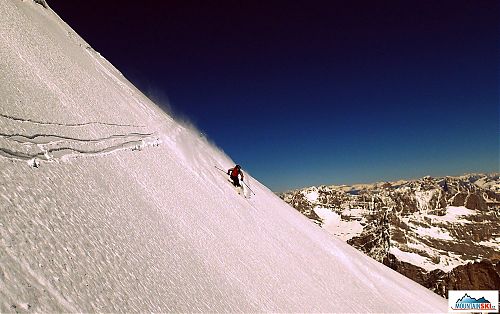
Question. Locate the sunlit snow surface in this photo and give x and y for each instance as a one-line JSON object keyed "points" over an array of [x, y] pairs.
{"points": [[454, 215], [109, 205], [333, 223], [312, 196]]}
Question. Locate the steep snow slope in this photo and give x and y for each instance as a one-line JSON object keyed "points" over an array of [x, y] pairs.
{"points": [[108, 204]]}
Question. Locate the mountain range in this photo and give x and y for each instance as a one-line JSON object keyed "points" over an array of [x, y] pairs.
{"points": [[444, 232]]}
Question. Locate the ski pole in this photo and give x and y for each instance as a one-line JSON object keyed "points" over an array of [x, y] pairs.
{"points": [[220, 169], [248, 187]]}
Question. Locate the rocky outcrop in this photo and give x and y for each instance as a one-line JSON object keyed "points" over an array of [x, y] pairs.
{"points": [[43, 3], [432, 230], [300, 203], [411, 271], [475, 201], [483, 275], [458, 199]]}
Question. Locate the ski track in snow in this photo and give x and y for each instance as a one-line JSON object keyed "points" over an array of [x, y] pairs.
{"points": [[54, 138], [51, 146], [68, 124]]}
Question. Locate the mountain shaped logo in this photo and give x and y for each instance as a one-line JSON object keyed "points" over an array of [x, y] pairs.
{"points": [[468, 299], [469, 303]]}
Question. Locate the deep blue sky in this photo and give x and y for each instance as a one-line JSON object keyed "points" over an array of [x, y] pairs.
{"points": [[316, 92]]}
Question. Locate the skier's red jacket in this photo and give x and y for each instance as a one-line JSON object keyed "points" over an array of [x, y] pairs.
{"points": [[235, 171]]}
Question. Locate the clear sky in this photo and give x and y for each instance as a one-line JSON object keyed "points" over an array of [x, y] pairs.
{"points": [[316, 92]]}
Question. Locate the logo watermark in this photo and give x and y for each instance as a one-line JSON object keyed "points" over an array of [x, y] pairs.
{"points": [[485, 301]]}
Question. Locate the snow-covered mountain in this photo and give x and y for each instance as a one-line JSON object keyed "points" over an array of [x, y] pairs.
{"points": [[108, 204], [441, 232]]}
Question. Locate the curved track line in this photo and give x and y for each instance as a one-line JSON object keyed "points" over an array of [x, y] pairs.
{"points": [[45, 138], [69, 124]]}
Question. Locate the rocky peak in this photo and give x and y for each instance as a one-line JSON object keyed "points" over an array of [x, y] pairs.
{"points": [[424, 228]]}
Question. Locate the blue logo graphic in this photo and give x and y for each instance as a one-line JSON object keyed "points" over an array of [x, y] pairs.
{"points": [[469, 303]]}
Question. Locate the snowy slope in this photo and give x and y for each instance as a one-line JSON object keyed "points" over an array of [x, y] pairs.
{"points": [[107, 204]]}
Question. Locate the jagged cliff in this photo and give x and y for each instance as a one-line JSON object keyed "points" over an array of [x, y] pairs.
{"points": [[443, 233]]}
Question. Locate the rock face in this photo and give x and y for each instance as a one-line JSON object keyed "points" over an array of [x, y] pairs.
{"points": [[483, 275], [444, 233]]}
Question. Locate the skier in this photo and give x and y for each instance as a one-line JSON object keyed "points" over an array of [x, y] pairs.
{"points": [[233, 173]]}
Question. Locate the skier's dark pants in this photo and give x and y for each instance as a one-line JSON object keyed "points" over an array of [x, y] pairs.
{"points": [[236, 181]]}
